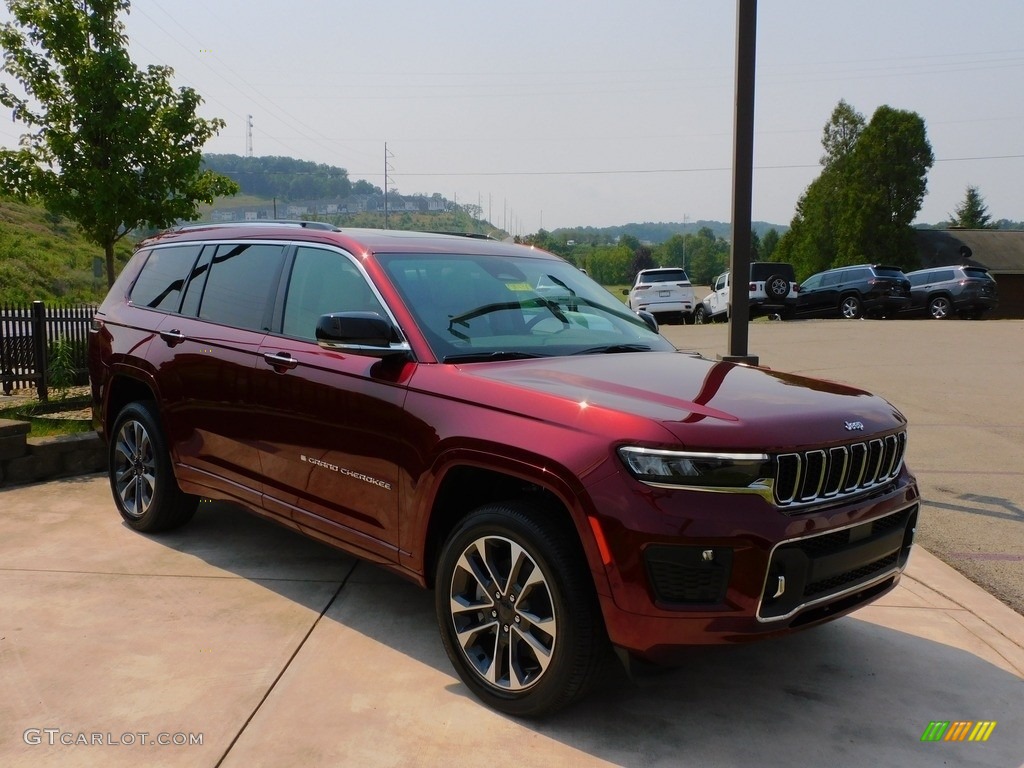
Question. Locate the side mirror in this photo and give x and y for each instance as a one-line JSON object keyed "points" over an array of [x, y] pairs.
{"points": [[360, 333], [649, 319]]}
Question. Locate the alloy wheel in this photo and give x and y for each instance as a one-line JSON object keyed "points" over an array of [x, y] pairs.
{"points": [[502, 609], [134, 468]]}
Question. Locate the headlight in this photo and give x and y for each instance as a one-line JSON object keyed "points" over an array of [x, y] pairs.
{"points": [[702, 470]]}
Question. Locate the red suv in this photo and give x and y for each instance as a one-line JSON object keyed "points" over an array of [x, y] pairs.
{"points": [[485, 420]]}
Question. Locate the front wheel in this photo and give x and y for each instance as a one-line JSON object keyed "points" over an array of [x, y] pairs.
{"points": [[700, 315], [850, 307], [517, 611], [145, 490]]}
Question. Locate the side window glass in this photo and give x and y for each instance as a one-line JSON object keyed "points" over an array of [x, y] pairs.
{"points": [[160, 283], [322, 282], [196, 281], [831, 278], [240, 285], [811, 283]]}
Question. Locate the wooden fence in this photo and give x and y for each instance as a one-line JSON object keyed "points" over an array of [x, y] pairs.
{"points": [[29, 336]]}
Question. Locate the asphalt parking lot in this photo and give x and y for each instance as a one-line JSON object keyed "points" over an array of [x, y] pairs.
{"points": [[271, 649]]}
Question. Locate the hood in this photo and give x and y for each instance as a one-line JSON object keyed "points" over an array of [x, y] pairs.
{"points": [[704, 403]]}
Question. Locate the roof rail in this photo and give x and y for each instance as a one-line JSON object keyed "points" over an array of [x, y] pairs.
{"points": [[474, 235], [259, 223]]}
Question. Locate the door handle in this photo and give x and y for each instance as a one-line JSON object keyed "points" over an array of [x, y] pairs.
{"points": [[173, 337], [280, 359]]}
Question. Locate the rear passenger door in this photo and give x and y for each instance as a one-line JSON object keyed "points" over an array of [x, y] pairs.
{"points": [[332, 425], [207, 357]]}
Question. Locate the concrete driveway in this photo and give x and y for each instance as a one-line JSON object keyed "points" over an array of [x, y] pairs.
{"points": [[271, 649]]}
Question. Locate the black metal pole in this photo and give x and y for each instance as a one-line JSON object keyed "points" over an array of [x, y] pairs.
{"points": [[742, 183]]}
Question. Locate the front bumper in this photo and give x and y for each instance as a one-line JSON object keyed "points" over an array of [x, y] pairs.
{"points": [[696, 568]]}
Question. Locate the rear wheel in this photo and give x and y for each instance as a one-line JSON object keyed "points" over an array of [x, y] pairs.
{"points": [[145, 490], [517, 611], [940, 307], [850, 307]]}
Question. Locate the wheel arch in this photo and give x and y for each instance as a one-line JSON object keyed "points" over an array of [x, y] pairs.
{"points": [[465, 486], [123, 389]]}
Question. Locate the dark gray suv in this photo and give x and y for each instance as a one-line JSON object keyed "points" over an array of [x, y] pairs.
{"points": [[942, 292]]}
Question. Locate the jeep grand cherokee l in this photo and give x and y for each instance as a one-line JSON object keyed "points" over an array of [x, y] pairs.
{"points": [[852, 292], [562, 477], [942, 292]]}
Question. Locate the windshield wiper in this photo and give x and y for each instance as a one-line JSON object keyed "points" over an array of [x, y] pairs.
{"points": [[482, 357], [486, 309], [612, 348]]}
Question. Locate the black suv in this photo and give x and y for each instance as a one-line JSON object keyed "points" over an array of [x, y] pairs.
{"points": [[944, 291], [852, 292]]}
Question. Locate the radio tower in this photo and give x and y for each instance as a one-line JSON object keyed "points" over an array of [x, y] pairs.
{"points": [[248, 135]]}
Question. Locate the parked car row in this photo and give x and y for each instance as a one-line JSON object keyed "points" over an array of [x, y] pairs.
{"points": [[862, 290]]}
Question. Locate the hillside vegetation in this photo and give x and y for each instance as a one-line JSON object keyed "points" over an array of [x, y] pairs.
{"points": [[45, 257]]}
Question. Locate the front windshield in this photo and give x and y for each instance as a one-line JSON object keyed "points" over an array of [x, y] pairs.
{"points": [[475, 307]]}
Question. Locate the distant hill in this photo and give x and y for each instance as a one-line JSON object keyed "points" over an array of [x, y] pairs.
{"points": [[657, 232], [45, 257]]}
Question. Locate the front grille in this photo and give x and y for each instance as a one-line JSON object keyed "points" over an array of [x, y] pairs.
{"points": [[831, 566], [811, 477]]}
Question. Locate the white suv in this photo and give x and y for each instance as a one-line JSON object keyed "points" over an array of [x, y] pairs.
{"points": [[773, 291], [664, 292]]}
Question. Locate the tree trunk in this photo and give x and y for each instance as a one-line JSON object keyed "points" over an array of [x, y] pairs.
{"points": [[108, 250]]}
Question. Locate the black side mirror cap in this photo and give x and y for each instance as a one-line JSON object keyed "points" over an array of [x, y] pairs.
{"points": [[365, 333]]}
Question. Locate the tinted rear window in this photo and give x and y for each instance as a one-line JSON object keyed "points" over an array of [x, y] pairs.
{"points": [[977, 273], [763, 270], [163, 276], [665, 276], [889, 272]]}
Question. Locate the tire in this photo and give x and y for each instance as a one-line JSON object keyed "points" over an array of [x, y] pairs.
{"points": [[940, 307], [776, 287], [699, 315], [517, 610], [850, 307], [141, 479]]}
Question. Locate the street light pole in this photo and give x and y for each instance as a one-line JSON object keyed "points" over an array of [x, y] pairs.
{"points": [[742, 183]]}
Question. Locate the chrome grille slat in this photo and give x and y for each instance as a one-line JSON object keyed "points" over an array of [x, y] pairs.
{"points": [[818, 475]]}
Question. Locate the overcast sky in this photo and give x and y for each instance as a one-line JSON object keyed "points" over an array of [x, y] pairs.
{"points": [[560, 113]]}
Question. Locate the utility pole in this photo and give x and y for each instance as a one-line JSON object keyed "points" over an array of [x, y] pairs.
{"points": [[387, 167], [248, 135]]}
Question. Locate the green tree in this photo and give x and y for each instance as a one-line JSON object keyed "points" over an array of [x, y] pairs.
{"points": [[769, 243], [972, 213], [642, 259], [862, 204], [672, 253], [707, 256], [888, 180], [108, 145]]}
